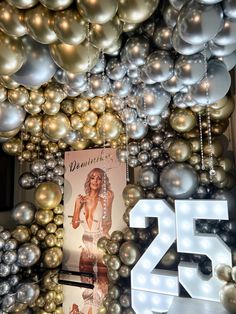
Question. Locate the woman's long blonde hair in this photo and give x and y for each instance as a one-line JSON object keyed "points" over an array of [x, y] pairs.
{"points": [[104, 179]]}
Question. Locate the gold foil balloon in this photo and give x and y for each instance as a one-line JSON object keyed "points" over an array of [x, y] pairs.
{"points": [[103, 36], [89, 118], [180, 150], [132, 193], [37, 97], [80, 144], [3, 93], [136, 11], [12, 55], [18, 96], [8, 82], [12, 146], [109, 126], [22, 4], [88, 132], [38, 21], [220, 103], [21, 234], [182, 120], [76, 121], [9, 134], [98, 104], [48, 195], [75, 59], [69, 27], [97, 11], [43, 217], [81, 105], [56, 127], [33, 124], [12, 20], [223, 112], [51, 108], [54, 92], [129, 253], [56, 4], [216, 149], [52, 257]]}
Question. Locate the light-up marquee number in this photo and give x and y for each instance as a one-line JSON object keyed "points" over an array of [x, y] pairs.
{"points": [[153, 290]]}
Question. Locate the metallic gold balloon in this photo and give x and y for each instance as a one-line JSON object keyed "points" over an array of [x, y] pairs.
{"points": [[38, 21], [18, 96], [81, 105], [9, 134], [50, 240], [98, 105], [56, 4], [12, 20], [103, 36], [88, 132], [182, 120], [67, 107], [69, 27], [56, 127], [89, 118], [37, 97], [227, 297], [52, 257], [58, 220], [220, 103], [12, 55], [136, 11], [223, 112], [33, 124], [48, 195], [132, 193], [97, 11], [21, 234], [128, 27], [59, 209], [32, 109], [226, 163], [59, 233], [75, 59], [115, 48], [51, 228], [54, 92], [109, 126], [43, 217], [3, 93], [80, 144], [22, 4], [195, 144], [51, 108], [12, 146], [180, 150], [129, 253], [8, 82], [76, 121], [216, 149]]}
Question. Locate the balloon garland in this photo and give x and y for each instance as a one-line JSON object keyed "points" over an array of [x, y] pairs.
{"points": [[150, 78]]}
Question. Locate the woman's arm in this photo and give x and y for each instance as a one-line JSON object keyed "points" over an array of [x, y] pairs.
{"points": [[78, 205]]}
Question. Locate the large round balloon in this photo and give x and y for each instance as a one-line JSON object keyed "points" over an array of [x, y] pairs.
{"points": [[182, 120], [179, 180], [56, 126], [227, 34], [213, 87], [56, 4], [28, 254], [38, 68], [97, 11], [159, 66], [199, 23], [136, 11], [75, 59], [108, 126], [23, 213], [136, 50], [12, 54], [48, 195], [11, 116], [129, 253], [22, 4]]}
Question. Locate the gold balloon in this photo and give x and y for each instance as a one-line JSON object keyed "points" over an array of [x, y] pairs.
{"points": [[220, 103], [12, 54], [76, 121], [98, 105], [8, 82], [51, 108], [13, 146], [136, 11], [89, 118], [32, 109], [128, 27], [50, 240], [219, 176], [182, 120], [62, 145], [53, 148], [38, 21], [67, 106], [3, 93], [59, 233], [69, 27], [58, 220], [227, 297], [51, 227], [48, 195], [226, 163], [26, 155], [114, 49], [80, 144], [216, 149], [59, 298], [195, 144], [223, 112], [59, 310], [109, 126], [21, 234], [81, 105], [103, 36], [18, 96], [30, 146], [97, 11], [33, 124], [12, 20], [97, 140], [22, 4], [56, 127], [49, 307], [198, 109], [53, 92], [10, 133], [52, 257], [195, 159], [43, 217], [59, 209], [50, 295], [88, 132], [37, 97], [56, 4], [75, 59], [132, 193], [180, 150]]}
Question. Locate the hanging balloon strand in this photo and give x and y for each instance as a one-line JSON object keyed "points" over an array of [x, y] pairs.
{"points": [[201, 141], [88, 39], [127, 148]]}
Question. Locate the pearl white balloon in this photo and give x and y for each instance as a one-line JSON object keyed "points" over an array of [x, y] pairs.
{"points": [[11, 116]]}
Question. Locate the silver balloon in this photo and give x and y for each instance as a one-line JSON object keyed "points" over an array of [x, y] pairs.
{"points": [[198, 23], [128, 115], [15, 268], [179, 180], [11, 116], [216, 85], [143, 157], [221, 51], [100, 66], [190, 69], [14, 280], [71, 137], [60, 76], [5, 235], [170, 15], [117, 103], [137, 129], [183, 100], [229, 60], [99, 84], [39, 67], [173, 85], [148, 177], [133, 148], [144, 77], [38, 167], [178, 4], [5, 270], [136, 50], [23, 213], [226, 35], [75, 81], [11, 244], [121, 154], [51, 163], [4, 288], [153, 120], [182, 46], [9, 257], [115, 69], [154, 100], [59, 170], [121, 88], [163, 37], [28, 254], [133, 162], [159, 66], [8, 302], [230, 8], [27, 293], [27, 180]]}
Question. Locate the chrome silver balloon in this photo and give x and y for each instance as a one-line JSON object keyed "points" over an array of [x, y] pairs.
{"points": [[38, 167], [23, 213], [229, 60], [221, 51], [11, 116], [28, 254], [173, 85], [27, 293], [163, 37], [230, 8], [121, 88], [137, 129], [117, 103], [115, 69], [27, 180], [178, 4], [170, 15], [148, 177], [128, 115], [227, 35], [159, 66], [137, 49], [4, 288], [99, 85], [9, 257], [133, 148]]}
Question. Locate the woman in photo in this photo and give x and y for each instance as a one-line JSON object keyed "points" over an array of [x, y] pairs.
{"points": [[93, 212]]}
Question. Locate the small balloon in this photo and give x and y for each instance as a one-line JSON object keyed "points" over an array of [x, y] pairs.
{"points": [[23, 213]]}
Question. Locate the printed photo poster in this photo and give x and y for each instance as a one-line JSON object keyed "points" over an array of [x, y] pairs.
{"points": [[94, 207]]}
